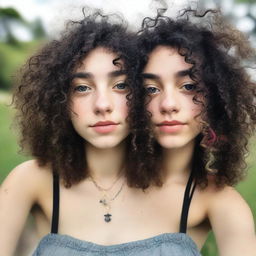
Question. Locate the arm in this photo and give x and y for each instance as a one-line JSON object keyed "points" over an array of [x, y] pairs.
{"points": [[17, 195], [232, 223]]}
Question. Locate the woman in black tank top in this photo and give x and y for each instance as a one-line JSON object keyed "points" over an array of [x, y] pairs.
{"points": [[198, 97]]}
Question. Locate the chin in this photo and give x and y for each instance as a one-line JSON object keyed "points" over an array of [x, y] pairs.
{"points": [[173, 143], [170, 145], [106, 143]]}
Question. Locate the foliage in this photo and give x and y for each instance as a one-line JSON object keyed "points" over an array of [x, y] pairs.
{"points": [[38, 29], [7, 16], [9, 156], [13, 52], [11, 58], [10, 13]]}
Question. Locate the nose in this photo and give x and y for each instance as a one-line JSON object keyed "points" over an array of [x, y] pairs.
{"points": [[169, 102], [103, 103]]}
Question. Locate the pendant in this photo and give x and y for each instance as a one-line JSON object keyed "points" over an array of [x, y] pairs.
{"points": [[104, 202], [107, 217]]}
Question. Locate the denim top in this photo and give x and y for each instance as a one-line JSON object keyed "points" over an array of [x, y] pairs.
{"points": [[167, 244]]}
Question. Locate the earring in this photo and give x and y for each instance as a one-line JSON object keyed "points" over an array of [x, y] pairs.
{"points": [[211, 137]]}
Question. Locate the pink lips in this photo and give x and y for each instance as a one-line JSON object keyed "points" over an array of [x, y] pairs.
{"points": [[104, 126], [170, 126]]}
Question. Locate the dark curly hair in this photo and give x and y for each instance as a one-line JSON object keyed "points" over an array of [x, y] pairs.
{"points": [[217, 52], [42, 96]]}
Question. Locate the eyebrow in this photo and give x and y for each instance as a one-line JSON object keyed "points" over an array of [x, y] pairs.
{"points": [[179, 74], [150, 76], [117, 73], [82, 75], [182, 73], [88, 75]]}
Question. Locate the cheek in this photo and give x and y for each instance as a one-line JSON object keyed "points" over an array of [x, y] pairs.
{"points": [[152, 106], [121, 105], [79, 107], [189, 105], [195, 113], [195, 110]]}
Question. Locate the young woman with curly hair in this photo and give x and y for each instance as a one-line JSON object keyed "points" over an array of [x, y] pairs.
{"points": [[201, 112], [74, 104]]}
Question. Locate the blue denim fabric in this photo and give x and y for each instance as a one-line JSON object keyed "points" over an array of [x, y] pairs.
{"points": [[168, 244]]}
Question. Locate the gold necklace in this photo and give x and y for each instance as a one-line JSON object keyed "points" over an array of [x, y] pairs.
{"points": [[105, 200], [101, 188]]}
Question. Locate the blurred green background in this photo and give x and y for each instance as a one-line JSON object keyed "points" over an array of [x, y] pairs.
{"points": [[14, 52]]}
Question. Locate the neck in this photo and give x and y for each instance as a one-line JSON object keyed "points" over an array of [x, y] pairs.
{"points": [[177, 162], [105, 164]]}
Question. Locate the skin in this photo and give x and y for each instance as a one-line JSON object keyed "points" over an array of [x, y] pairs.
{"points": [[29, 186], [98, 94], [171, 99], [171, 92]]}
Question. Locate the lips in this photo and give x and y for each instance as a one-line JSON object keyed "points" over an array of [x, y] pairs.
{"points": [[173, 122], [104, 126], [104, 123], [170, 126]]}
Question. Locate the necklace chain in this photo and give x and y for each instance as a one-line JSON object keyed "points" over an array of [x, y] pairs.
{"points": [[117, 194], [104, 200], [101, 188]]}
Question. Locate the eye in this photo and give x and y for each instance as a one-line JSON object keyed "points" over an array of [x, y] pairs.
{"points": [[82, 88], [121, 86], [189, 87], [152, 90]]}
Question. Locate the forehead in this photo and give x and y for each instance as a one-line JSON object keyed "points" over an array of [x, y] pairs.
{"points": [[100, 60], [165, 60]]}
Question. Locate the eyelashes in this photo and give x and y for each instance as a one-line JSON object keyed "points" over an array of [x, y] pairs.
{"points": [[83, 88], [121, 86], [152, 90], [188, 87]]}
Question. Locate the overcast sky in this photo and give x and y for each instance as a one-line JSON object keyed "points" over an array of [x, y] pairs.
{"points": [[55, 12]]}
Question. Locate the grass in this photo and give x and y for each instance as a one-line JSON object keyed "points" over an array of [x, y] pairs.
{"points": [[9, 158]]}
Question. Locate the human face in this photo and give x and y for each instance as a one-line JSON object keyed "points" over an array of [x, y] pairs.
{"points": [[98, 100], [171, 89]]}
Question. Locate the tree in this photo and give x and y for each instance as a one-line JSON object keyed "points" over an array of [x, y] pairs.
{"points": [[7, 16]]}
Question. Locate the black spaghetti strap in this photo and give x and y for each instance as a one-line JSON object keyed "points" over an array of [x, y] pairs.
{"points": [[186, 203], [55, 208]]}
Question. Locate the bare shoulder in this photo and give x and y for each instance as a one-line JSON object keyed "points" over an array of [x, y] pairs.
{"points": [[23, 187], [231, 220], [31, 168], [224, 197], [27, 177]]}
